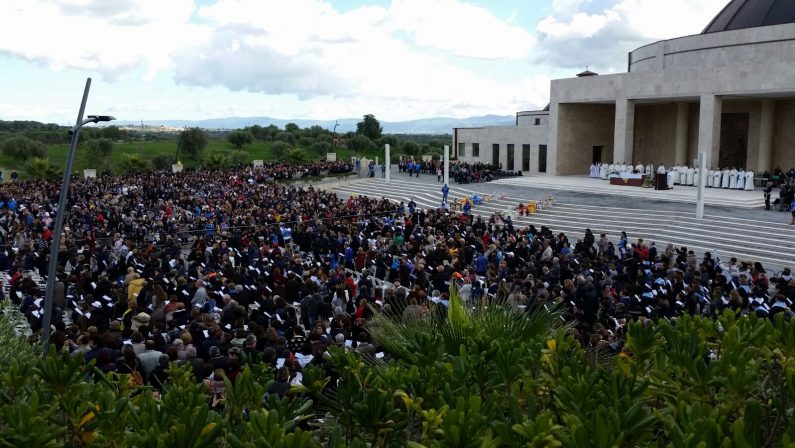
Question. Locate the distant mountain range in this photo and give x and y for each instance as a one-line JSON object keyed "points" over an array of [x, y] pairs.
{"points": [[436, 125]]}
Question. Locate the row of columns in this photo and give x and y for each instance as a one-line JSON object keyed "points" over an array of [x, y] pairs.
{"points": [[710, 110]]}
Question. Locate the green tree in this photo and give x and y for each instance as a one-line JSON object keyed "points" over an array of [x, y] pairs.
{"points": [[133, 163], [23, 148], [111, 132], [294, 155], [240, 138], [287, 137], [293, 128], [99, 148], [163, 161], [361, 143], [315, 131], [193, 142], [409, 148], [279, 148], [370, 127], [270, 131], [257, 131], [391, 140], [321, 148], [40, 169]]}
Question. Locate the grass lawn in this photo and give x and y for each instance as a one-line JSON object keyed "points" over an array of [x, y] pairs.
{"points": [[148, 150]]}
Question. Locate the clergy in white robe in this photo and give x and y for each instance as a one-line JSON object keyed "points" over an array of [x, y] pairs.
{"points": [[660, 169], [709, 178], [724, 178], [733, 179], [639, 168], [671, 178], [716, 178], [647, 169], [690, 176], [591, 171], [604, 171], [749, 181], [696, 178], [741, 179]]}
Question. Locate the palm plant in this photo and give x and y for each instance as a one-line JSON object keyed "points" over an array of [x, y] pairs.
{"points": [[217, 160], [40, 169], [476, 328], [134, 163]]}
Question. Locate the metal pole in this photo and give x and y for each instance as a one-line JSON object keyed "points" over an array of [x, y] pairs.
{"points": [[446, 164], [702, 179], [56, 235], [387, 161]]}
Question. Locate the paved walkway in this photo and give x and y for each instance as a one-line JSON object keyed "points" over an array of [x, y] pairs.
{"points": [[680, 193], [772, 243]]}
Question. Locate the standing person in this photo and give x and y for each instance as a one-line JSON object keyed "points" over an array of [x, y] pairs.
{"points": [[383, 170], [372, 169], [438, 174], [445, 192], [792, 210], [14, 175]]}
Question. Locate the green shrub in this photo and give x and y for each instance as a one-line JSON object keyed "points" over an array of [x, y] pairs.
{"points": [[22, 148]]}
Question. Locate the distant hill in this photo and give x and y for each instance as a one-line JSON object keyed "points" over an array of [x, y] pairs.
{"points": [[436, 125]]}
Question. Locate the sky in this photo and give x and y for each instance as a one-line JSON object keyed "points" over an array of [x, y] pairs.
{"points": [[319, 59]]}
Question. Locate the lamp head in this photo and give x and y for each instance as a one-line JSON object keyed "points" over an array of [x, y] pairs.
{"points": [[98, 118]]}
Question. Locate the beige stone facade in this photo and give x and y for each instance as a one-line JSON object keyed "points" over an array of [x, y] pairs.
{"points": [[730, 94]]}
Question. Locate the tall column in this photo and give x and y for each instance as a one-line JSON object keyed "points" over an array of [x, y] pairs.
{"points": [[682, 123], [709, 128], [767, 117], [624, 134], [387, 161], [446, 178]]}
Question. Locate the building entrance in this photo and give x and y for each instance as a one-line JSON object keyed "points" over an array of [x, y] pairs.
{"points": [[733, 140]]}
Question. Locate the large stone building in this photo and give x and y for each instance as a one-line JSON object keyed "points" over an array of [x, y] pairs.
{"points": [[729, 92]]}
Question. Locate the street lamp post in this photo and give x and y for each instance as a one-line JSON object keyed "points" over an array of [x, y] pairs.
{"points": [[61, 211]]}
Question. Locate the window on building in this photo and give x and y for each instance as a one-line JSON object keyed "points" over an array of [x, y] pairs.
{"points": [[461, 149], [510, 157], [538, 121], [495, 155], [526, 158], [475, 149], [542, 158]]}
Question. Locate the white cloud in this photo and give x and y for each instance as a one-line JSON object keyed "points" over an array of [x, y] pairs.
{"points": [[398, 56], [599, 33], [111, 38], [461, 29]]}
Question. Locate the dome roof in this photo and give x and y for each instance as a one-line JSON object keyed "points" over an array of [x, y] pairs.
{"points": [[740, 14]]}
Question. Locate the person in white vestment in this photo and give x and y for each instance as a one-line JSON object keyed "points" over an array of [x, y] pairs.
{"points": [[749, 181], [716, 179], [741, 179], [691, 176], [671, 178], [660, 169], [733, 179], [591, 171], [648, 169], [709, 178], [603, 173], [639, 168], [696, 178], [724, 178]]}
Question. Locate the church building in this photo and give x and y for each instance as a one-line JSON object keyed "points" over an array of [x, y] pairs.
{"points": [[728, 92]]}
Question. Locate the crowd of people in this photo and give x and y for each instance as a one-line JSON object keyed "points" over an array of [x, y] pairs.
{"points": [[219, 268]]}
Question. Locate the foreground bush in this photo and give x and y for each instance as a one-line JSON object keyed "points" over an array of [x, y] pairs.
{"points": [[457, 377]]}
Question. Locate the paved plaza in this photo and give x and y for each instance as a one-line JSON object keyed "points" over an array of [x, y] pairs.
{"points": [[735, 223]]}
